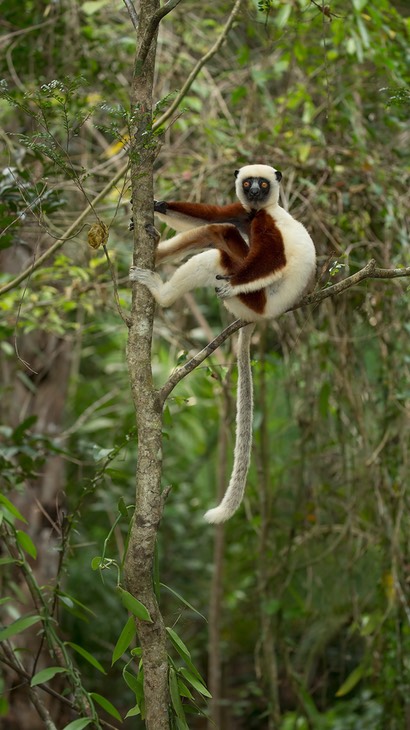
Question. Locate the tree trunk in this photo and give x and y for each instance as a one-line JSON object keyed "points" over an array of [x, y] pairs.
{"points": [[148, 507]]}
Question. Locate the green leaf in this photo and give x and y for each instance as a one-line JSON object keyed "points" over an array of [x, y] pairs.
{"points": [[12, 509], [18, 626], [93, 6], [133, 712], [181, 648], [175, 697], [282, 16], [359, 4], [106, 705], [183, 651], [45, 675], [133, 605], [122, 508], [26, 543], [352, 680], [195, 682], [131, 680], [186, 603], [70, 601], [96, 562], [124, 640], [183, 690], [78, 724], [86, 654]]}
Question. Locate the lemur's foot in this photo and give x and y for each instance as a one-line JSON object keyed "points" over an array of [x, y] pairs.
{"points": [[138, 274], [152, 231], [225, 291]]}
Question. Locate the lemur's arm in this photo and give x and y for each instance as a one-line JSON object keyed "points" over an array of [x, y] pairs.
{"points": [[183, 215], [265, 262]]}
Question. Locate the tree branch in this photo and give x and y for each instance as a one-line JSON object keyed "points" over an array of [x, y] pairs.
{"points": [[370, 271], [202, 61], [132, 13], [189, 366], [152, 27], [70, 231], [16, 664]]}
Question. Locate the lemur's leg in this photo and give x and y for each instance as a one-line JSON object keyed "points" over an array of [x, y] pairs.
{"points": [[223, 236], [200, 270]]}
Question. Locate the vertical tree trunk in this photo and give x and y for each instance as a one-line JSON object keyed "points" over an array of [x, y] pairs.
{"points": [[148, 507]]}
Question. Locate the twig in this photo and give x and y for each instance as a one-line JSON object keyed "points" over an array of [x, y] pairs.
{"points": [[60, 241], [132, 13], [189, 366], [11, 660], [123, 316], [43, 713], [202, 61], [370, 271]]}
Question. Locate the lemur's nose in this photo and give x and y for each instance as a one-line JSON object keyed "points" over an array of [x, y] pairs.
{"points": [[254, 191]]}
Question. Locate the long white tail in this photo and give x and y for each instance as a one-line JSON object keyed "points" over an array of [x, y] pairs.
{"points": [[243, 439]]}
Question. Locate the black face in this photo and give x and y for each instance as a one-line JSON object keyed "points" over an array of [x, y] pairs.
{"points": [[256, 189]]}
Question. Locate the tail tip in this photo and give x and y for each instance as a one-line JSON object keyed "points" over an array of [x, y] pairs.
{"points": [[217, 515]]}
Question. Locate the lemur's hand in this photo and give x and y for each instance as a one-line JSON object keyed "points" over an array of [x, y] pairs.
{"points": [[160, 206]]}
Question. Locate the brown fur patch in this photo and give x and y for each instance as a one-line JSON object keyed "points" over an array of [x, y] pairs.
{"points": [[255, 300], [233, 213], [266, 253]]}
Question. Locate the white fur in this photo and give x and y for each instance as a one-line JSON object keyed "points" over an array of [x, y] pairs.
{"points": [[243, 439], [179, 221]]}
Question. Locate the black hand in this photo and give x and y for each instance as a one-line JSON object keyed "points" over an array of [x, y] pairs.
{"points": [[160, 206]]}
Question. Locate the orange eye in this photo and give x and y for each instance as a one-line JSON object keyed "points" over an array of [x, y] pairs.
{"points": [[264, 185], [246, 184]]}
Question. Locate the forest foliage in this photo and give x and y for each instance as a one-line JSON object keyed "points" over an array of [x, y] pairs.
{"points": [[313, 619]]}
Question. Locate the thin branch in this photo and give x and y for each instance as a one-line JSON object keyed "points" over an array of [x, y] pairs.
{"points": [[202, 61], [132, 13], [70, 231], [189, 366], [370, 271], [42, 711], [123, 316], [11, 660]]}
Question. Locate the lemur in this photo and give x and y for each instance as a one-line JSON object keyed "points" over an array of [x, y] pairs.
{"points": [[258, 278]]}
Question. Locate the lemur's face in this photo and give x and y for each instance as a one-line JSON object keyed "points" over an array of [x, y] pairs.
{"points": [[257, 186], [256, 189]]}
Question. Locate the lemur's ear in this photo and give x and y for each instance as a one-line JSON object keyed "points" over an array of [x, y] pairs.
{"points": [[278, 175], [236, 173]]}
